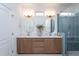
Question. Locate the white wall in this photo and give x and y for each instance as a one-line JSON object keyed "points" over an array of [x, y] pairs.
{"points": [[9, 29]]}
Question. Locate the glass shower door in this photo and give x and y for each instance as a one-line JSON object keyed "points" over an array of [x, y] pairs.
{"points": [[70, 26]]}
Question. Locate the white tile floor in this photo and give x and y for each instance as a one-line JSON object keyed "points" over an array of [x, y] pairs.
{"points": [[39, 54], [69, 53]]}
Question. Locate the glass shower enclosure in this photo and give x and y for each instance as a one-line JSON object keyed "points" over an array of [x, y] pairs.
{"points": [[70, 26]]}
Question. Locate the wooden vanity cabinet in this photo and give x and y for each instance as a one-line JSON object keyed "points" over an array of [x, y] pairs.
{"points": [[39, 45]]}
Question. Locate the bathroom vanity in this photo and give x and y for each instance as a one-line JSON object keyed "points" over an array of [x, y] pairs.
{"points": [[39, 44]]}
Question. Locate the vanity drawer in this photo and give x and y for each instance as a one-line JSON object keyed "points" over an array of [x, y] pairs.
{"points": [[37, 44], [38, 49], [37, 40]]}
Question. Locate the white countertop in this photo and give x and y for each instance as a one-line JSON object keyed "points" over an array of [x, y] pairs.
{"points": [[39, 37]]}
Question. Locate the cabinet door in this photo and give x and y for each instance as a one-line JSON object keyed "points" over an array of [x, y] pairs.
{"points": [[24, 46], [52, 46], [49, 46], [57, 46]]}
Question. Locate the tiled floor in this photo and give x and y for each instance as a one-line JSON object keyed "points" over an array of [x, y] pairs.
{"points": [[69, 53], [39, 54]]}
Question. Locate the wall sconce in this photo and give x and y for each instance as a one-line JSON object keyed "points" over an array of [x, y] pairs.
{"points": [[50, 14], [28, 13]]}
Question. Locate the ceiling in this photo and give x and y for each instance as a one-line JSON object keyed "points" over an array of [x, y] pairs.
{"points": [[43, 6], [57, 7]]}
